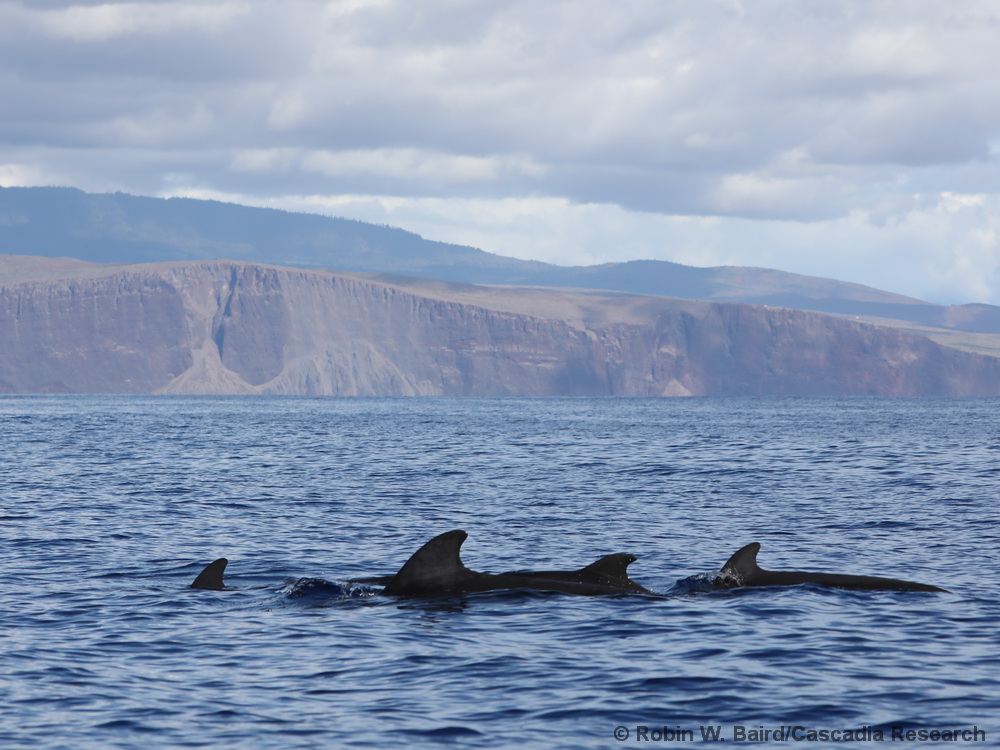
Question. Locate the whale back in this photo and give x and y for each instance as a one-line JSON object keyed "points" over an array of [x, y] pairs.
{"points": [[742, 570]]}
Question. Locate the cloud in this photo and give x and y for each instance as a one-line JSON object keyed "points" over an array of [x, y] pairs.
{"points": [[767, 115], [104, 22], [24, 175], [397, 165]]}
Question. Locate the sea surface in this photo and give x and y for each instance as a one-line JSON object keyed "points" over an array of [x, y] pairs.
{"points": [[111, 505]]}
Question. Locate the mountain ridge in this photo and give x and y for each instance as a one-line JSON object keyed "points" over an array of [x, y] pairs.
{"points": [[118, 227]]}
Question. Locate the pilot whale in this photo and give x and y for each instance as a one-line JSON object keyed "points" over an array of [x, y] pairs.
{"points": [[437, 568], [742, 570], [610, 570]]}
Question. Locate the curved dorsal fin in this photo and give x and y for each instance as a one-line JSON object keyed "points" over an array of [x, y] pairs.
{"points": [[612, 568], [435, 567], [742, 567], [211, 576]]}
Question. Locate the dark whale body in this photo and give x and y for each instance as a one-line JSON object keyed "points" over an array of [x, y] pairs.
{"points": [[610, 570], [437, 568], [742, 570]]}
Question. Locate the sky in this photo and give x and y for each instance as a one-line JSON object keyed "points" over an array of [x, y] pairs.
{"points": [[851, 139]]}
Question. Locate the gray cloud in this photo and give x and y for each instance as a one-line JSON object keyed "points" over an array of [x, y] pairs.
{"points": [[769, 110], [618, 103]]}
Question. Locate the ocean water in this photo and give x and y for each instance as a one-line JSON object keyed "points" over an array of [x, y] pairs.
{"points": [[111, 506]]}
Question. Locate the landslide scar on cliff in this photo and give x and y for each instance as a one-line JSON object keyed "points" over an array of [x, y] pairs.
{"points": [[253, 326]]}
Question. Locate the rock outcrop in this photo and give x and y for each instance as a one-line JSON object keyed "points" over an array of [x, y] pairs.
{"points": [[229, 327]]}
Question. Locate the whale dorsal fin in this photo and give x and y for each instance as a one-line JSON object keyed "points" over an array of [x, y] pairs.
{"points": [[434, 568], [211, 576], [610, 569], [742, 567]]}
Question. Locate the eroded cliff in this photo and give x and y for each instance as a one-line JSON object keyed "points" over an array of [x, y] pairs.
{"points": [[226, 327]]}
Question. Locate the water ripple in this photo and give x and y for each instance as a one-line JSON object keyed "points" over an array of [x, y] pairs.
{"points": [[111, 506]]}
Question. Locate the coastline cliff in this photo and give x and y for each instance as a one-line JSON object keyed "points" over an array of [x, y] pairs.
{"points": [[221, 327]]}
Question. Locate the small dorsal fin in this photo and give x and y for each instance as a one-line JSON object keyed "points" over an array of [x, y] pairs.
{"points": [[435, 567], [742, 567], [610, 568], [211, 576]]}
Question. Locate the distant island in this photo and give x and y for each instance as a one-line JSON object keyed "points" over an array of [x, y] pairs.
{"points": [[123, 294]]}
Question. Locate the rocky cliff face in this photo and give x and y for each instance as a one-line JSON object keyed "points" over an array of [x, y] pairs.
{"points": [[223, 327]]}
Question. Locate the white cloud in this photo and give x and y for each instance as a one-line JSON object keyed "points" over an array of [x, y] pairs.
{"points": [[904, 53], [763, 195], [26, 174], [101, 23]]}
